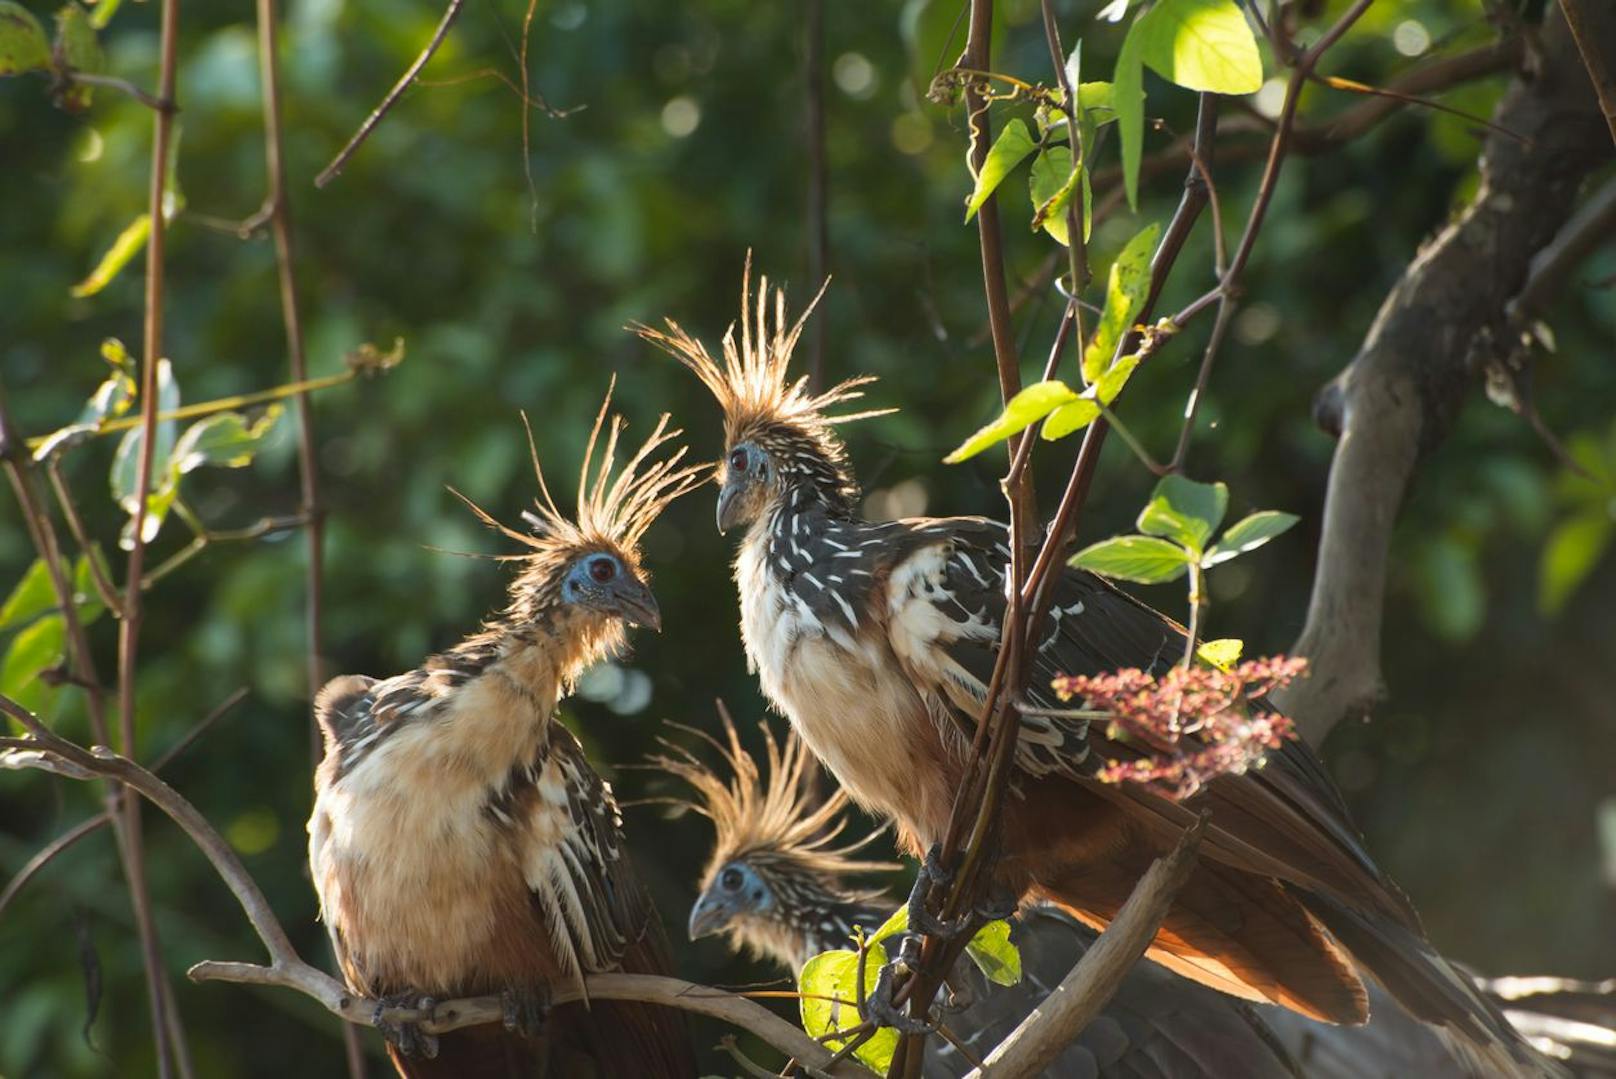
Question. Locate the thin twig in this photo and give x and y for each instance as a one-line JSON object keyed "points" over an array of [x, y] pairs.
{"points": [[339, 162], [75, 527], [94, 824], [818, 177], [129, 628], [1593, 27], [123, 86], [279, 204]]}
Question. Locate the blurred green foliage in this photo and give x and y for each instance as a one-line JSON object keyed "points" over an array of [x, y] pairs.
{"points": [[1477, 784]]}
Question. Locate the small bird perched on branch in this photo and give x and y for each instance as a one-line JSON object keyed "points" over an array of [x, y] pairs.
{"points": [[780, 884], [877, 641], [461, 843]]}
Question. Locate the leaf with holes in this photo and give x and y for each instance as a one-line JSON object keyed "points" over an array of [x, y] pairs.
{"points": [[1025, 409], [1142, 559], [1008, 150], [834, 975], [1126, 287], [1204, 45], [1249, 533], [1185, 511]]}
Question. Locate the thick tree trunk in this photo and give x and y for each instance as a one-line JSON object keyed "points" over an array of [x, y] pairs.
{"points": [[1441, 326]]}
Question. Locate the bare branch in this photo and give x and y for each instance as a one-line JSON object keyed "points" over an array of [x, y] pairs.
{"points": [[339, 162], [1437, 329], [1091, 984], [1593, 25], [47, 751]]}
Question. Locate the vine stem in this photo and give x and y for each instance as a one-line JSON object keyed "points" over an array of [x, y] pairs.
{"points": [[167, 1031]]}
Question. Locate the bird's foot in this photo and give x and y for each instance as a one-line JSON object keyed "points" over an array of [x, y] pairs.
{"points": [[406, 1035], [922, 920], [879, 1007], [526, 1010]]}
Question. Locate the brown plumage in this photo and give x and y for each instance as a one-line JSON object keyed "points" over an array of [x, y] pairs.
{"points": [[877, 639], [461, 843]]}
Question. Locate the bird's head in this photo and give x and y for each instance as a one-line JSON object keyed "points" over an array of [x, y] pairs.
{"points": [[775, 859], [777, 433], [581, 574]]}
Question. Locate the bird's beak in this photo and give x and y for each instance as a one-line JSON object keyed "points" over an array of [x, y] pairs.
{"points": [[729, 504], [707, 917], [638, 606]]}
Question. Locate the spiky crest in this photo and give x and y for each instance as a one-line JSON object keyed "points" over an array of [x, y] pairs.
{"points": [[751, 385], [614, 511], [770, 819]]}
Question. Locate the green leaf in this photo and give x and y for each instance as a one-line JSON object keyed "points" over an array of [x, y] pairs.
{"points": [[994, 955], [1249, 533], [1185, 511], [1097, 97], [114, 396], [32, 597], [897, 923], [1144, 559], [78, 49], [23, 46], [37, 648], [225, 439], [1110, 384], [1051, 183], [1008, 150], [835, 974], [1200, 45], [1574, 548], [1128, 98], [104, 11], [1025, 409], [1070, 417], [130, 242], [1125, 290], [125, 474], [1222, 653]]}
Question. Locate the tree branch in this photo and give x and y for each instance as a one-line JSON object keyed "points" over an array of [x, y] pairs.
{"points": [[45, 750], [1593, 25], [1091, 984], [1437, 329]]}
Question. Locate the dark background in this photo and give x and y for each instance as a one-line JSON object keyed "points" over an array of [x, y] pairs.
{"points": [[1480, 782]]}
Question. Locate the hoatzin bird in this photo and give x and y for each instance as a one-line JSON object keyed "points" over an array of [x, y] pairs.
{"points": [[780, 887], [462, 845], [877, 640]]}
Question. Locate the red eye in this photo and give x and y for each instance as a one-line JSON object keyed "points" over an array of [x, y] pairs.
{"points": [[737, 460], [602, 570]]}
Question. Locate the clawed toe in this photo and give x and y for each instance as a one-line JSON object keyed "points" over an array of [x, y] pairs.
{"points": [[525, 1010], [880, 1010], [406, 1035]]}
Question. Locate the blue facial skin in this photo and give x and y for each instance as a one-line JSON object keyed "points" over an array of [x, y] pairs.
{"points": [[746, 478], [600, 582], [737, 889]]}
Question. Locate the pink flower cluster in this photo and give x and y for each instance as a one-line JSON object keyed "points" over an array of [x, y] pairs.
{"points": [[1189, 725]]}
